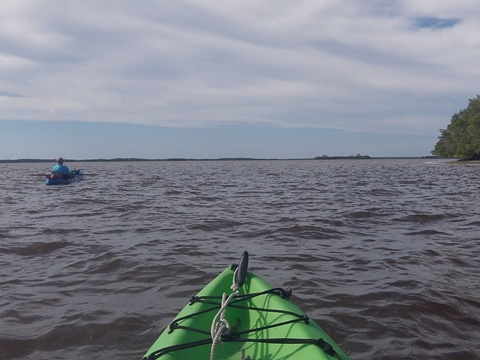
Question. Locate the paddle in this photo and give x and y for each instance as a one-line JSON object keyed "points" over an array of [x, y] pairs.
{"points": [[86, 174]]}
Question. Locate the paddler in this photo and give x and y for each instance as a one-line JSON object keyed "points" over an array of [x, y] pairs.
{"points": [[60, 170]]}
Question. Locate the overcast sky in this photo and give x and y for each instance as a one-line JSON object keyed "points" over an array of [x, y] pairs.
{"points": [[283, 79]]}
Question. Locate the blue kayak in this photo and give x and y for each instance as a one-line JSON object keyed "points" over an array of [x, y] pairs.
{"points": [[75, 175]]}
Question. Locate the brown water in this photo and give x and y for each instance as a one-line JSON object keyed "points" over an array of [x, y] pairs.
{"points": [[383, 254]]}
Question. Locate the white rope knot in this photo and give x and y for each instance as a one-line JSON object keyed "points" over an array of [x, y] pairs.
{"points": [[220, 325]]}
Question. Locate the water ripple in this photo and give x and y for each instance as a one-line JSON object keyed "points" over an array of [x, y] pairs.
{"points": [[384, 254]]}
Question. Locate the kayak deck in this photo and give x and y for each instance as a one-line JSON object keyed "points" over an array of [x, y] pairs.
{"points": [[76, 175], [264, 324]]}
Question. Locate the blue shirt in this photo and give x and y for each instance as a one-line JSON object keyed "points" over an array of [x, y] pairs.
{"points": [[61, 169]]}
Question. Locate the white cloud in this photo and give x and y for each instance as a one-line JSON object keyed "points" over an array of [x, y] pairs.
{"points": [[350, 65]]}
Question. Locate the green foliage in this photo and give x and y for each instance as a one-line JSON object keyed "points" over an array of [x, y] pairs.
{"points": [[461, 138]]}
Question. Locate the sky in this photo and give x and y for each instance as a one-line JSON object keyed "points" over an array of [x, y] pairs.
{"points": [[212, 79]]}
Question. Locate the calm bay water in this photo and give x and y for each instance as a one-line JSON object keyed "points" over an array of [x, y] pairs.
{"points": [[383, 254]]}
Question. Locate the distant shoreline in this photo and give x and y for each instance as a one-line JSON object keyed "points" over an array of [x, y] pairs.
{"points": [[318, 158]]}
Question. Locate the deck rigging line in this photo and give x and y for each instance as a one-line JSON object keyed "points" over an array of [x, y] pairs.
{"points": [[216, 302]]}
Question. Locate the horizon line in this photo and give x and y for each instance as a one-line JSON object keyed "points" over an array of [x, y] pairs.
{"points": [[121, 159]]}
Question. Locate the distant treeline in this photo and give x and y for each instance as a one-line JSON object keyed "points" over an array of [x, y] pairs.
{"points": [[356, 157], [323, 157], [83, 160], [122, 160]]}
